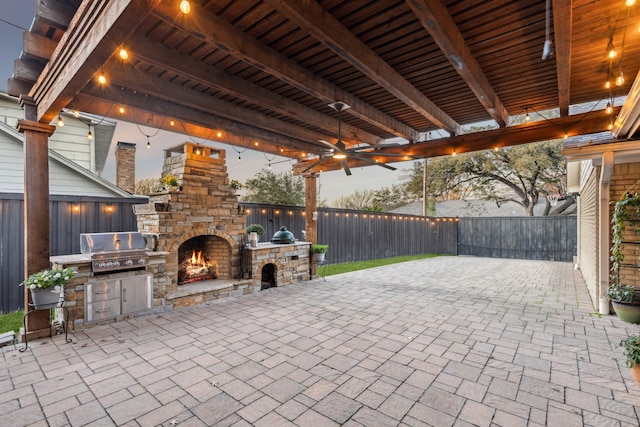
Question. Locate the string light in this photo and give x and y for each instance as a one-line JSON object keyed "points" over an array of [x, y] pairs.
{"points": [[89, 134], [607, 84], [172, 123], [620, 79], [148, 142], [76, 113], [609, 108], [185, 7], [124, 55], [630, 2], [526, 114], [219, 134], [102, 79], [566, 135], [60, 122], [611, 51], [121, 110]]}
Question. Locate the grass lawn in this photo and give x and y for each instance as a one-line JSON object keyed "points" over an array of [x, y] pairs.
{"points": [[346, 267], [13, 321]]}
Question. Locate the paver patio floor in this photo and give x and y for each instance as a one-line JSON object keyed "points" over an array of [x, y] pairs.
{"points": [[448, 341]]}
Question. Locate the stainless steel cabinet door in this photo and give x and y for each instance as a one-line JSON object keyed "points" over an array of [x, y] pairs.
{"points": [[137, 292]]}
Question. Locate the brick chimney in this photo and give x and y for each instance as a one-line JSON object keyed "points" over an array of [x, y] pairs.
{"points": [[126, 166]]}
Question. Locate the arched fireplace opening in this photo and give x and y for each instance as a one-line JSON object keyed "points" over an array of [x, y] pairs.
{"points": [[203, 258], [268, 277]]}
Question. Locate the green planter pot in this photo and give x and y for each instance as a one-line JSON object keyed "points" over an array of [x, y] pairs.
{"points": [[627, 311]]}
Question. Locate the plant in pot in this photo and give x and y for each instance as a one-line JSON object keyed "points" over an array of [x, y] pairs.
{"points": [[254, 230], [626, 302], [319, 252], [46, 286], [631, 346]]}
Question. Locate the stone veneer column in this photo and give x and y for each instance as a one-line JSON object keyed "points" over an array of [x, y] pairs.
{"points": [[36, 206], [126, 166]]}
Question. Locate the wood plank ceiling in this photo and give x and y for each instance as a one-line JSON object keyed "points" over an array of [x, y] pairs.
{"points": [[261, 73]]}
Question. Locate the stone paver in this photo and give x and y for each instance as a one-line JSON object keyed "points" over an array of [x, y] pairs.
{"points": [[449, 341]]}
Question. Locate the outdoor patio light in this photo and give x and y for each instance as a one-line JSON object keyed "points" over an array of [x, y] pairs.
{"points": [[630, 2], [185, 7], [102, 79], [610, 49], [620, 79], [609, 108], [60, 122], [89, 134], [124, 55]]}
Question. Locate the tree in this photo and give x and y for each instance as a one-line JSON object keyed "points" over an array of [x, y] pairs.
{"points": [[148, 186], [357, 200], [518, 174], [280, 189]]}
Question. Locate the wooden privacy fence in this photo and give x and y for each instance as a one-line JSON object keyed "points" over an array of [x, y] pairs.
{"points": [[552, 238], [361, 235], [69, 216]]}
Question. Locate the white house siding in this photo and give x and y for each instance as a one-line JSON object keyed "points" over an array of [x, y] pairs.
{"points": [[588, 229], [71, 141]]}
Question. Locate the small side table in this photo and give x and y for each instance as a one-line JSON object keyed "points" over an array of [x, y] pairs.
{"points": [[33, 309]]}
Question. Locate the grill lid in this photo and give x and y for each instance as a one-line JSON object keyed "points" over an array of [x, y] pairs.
{"points": [[111, 243], [283, 236]]}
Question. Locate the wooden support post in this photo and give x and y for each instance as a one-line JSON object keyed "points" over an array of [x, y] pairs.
{"points": [[311, 219], [36, 207]]}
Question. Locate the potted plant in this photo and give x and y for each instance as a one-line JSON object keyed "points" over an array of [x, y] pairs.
{"points": [[631, 346], [319, 252], [626, 302], [254, 230], [171, 182], [46, 285]]}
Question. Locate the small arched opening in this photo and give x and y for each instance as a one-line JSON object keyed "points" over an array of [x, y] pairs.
{"points": [[268, 277]]}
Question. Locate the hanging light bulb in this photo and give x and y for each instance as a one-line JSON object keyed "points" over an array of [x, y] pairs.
{"points": [[610, 127], [76, 113], [219, 134], [239, 158], [566, 135], [607, 84], [121, 110], [172, 123], [609, 108], [526, 115], [148, 143], [60, 122], [269, 166], [89, 134], [124, 55], [611, 51], [630, 2], [620, 79], [102, 79], [185, 7]]}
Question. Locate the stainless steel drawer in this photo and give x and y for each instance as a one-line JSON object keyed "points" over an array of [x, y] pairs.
{"points": [[103, 290], [103, 310]]}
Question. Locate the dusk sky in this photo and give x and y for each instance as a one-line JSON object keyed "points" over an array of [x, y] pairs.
{"points": [[149, 162]]}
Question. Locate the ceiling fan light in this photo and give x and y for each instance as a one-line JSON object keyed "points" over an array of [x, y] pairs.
{"points": [[339, 156]]}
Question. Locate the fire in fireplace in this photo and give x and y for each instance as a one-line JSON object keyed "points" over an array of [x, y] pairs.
{"points": [[197, 267]]}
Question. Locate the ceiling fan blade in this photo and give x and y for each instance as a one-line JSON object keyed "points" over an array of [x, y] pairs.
{"points": [[364, 159], [389, 144], [345, 166], [327, 143]]}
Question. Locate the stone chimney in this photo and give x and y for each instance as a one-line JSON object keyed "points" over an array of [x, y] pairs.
{"points": [[126, 166]]}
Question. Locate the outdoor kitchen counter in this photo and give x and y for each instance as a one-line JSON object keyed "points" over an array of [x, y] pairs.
{"points": [[75, 291]]}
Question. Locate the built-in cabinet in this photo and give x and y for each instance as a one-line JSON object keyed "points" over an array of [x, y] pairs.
{"points": [[112, 297]]}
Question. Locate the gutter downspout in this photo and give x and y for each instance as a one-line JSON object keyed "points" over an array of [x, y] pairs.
{"points": [[603, 230]]}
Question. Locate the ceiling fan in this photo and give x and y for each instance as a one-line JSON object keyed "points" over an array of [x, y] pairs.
{"points": [[339, 150]]}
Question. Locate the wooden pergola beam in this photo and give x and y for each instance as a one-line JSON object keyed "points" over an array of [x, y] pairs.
{"points": [[97, 29], [579, 124], [562, 24], [435, 18], [54, 13], [157, 113], [37, 47], [124, 76], [210, 29], [312, 18], [186, 66]]}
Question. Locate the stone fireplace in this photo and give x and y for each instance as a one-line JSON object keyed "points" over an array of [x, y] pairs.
{"points": [[198, 222]]}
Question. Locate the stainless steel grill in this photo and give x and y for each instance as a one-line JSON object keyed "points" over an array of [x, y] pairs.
{"points": [[114, 251]]}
